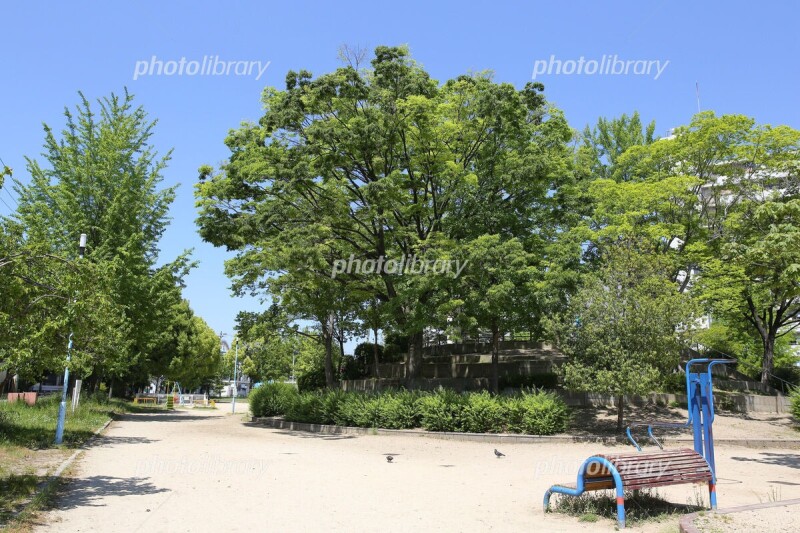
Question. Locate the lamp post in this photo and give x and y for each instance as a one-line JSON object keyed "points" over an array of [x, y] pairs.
{"points": [[62, 407]]}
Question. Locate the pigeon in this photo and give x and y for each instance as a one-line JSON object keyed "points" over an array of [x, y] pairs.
{"points": [[498, 454], [389, 458]]}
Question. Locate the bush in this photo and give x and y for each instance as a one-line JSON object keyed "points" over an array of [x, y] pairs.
{"points": [[483, 413], [398, 410], [306, 407], [354, 367], [538, 413], [441, 411], [312, 380], [271, 399], [794, 397], [674, 383]]}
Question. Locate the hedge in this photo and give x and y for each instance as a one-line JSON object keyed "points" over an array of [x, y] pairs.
{"points": [[534, 413]]}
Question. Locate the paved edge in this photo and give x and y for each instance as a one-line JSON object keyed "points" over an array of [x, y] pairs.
{"points": [[56, 475], [687, 522], [503, 438]]}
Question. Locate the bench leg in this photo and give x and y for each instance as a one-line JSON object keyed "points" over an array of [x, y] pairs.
{"points": [[712, 494]]}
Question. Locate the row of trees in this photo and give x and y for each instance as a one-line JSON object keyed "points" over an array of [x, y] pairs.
{"points": [[610, 241], [101, 176]]}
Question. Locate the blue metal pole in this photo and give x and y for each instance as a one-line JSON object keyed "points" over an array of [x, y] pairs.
{"points": [[62, 407]]}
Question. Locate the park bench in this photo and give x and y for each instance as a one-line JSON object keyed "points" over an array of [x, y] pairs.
{"points": [[636, 471], [144, 399], [645, 470]]}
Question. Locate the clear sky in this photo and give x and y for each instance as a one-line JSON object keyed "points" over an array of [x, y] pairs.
{"points": [[744, 55]]}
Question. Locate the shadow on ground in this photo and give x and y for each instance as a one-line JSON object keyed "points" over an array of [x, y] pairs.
{"points": [[789, 460], [84, 492], [301, 434], [165, 416]]}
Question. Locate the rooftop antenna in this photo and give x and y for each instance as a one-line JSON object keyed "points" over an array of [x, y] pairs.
{"points": [[697, 94]]}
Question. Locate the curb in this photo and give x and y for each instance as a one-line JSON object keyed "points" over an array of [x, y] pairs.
{"points": [[687, 522], [502, 438], [56, 475]]}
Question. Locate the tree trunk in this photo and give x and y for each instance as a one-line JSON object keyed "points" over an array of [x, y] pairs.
{"points": [[414, 359], [768, 362], [620, 410], [327, 334], [110, 388], [495, 359], [375, 354]]}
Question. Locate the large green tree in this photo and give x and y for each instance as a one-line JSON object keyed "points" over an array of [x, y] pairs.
{"points": [[379, 162], [102, 176]]}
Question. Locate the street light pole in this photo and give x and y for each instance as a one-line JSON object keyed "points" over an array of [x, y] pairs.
{"points": [[62, 407]]}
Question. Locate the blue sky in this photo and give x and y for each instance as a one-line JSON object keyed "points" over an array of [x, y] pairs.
{"points": [[743, 54]]}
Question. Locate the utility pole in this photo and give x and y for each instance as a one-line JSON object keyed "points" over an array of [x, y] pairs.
{"points": [[62, 407]]}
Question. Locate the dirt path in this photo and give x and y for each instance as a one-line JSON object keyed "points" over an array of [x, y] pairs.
{"points": [[208, 471]]}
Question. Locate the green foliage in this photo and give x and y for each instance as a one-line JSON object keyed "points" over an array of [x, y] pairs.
{"points": [[311, 380], [538, 413], [34, 426], [622, 330], [101, 176], [306, 407], [443, 410], [272, 399], [381, 161], [483, 413], [795, 400]]}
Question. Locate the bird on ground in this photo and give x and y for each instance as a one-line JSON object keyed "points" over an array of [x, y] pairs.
{"points": [[389, 458], [498, 454]]}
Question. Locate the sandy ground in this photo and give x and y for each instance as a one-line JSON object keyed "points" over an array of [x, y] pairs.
{"points": [[780, 520], [204, 471]]}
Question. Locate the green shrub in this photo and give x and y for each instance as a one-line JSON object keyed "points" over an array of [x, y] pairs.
{"points": [[312, 380], [483, 413], [397, 410], [271, 399], [329, 405], [441, 411], [538, 413], [795, 399], [674, 383], [306, 408]]}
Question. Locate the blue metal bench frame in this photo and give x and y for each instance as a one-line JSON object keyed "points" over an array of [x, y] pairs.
{"points": [[699, 392]]}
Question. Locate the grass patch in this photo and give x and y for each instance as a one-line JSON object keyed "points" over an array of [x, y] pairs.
{"points": [[34, 426], [14, 491], [640, 506]]}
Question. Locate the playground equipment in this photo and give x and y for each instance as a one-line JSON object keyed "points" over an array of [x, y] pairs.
{"points": [[665, 467]]}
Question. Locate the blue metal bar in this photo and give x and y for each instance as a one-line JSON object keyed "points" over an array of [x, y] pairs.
{"points": [[580, 486], [653, 437], [630, 438]]}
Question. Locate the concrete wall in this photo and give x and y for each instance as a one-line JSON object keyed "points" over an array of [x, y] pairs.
{"points": [[740, 403]]}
